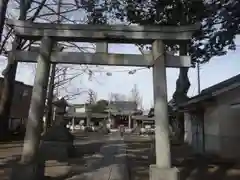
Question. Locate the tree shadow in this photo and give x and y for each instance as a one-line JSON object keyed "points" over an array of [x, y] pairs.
{"points": [[12, 138], [139, 158], [87, 150], [8, 161], [191, 167], [96, 158], [200, 167], [9, 146], [6, 164], [10, 152], [90, 157]]}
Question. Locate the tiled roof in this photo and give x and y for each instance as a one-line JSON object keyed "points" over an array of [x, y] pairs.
{"points": [[84, 115], [223, 84], [210, 92], [123, 105], [207, 93]]}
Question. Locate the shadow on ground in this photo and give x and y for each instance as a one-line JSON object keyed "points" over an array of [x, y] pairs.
{"points": [[75, 165], [141, 155], [90, 157], [85, 148], [10, 151], [91, 154]]}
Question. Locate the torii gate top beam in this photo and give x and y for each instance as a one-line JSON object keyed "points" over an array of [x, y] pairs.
{"points": [[101, 33]]}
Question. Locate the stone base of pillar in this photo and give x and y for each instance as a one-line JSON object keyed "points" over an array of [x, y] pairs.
{"points": [[156, 173], [27, 172]]}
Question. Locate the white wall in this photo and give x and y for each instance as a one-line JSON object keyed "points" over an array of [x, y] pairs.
{"points": [[187, 128], [221, 126], [229, 119], [212, 129], [80, 109]]}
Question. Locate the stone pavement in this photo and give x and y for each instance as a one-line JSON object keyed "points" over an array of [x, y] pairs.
{"points": [[9, 153], [100, 157], [110, 163]]}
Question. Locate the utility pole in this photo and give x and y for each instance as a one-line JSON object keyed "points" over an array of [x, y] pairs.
{"points": [[50, 97], [198, 78], [49, 117]]}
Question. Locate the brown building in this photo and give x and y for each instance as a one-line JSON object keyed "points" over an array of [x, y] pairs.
{"points": [[20, 103], [78, 112], [121, 113]]}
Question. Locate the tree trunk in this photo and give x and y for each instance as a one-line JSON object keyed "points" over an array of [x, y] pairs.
{"points": [[5, 104], [50, 98], [3, 124], [180, 94], [182, 86], [3, 9], [9, 74], [51, 82]]}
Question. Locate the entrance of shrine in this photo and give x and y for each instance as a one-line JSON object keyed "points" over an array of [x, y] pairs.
{"points": [[158, 59]]}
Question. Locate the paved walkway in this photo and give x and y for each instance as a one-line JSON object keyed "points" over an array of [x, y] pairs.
{"points": [[110, 163], [9, 153], [100, 158]]}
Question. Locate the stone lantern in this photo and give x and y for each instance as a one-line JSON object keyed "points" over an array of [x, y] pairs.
{"points": [[61, 105], [60, 109], [88, 110], [57, 143]]}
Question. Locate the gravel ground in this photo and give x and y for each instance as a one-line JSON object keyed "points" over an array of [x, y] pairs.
{"points": [[87, 147], [138, 157], [141, 155], [9, 153]]}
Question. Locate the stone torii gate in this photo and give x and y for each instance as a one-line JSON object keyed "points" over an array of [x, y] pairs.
{"points": [[158, 59]]}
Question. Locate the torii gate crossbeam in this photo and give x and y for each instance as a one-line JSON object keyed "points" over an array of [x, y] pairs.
{"points": [[106, 33]]}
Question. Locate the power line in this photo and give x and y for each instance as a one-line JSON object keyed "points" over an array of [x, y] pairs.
{"points": [[198, 78], [129, 71]]}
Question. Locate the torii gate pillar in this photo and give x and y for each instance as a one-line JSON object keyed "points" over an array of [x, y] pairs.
{"points": [[36, 111], [162, 170], [31, 166]]}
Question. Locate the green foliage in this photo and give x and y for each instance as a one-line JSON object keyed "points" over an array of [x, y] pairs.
{"points": [[103, 11], [220, 20], [100, 106], [218, 30], [171, 12]]}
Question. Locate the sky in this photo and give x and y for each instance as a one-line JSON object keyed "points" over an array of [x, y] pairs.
{"points": [[215, 71]]}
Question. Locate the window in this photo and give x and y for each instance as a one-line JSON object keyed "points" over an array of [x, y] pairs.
{"points": [[80, 110], [25, 92]]}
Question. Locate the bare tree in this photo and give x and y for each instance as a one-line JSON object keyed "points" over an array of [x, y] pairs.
{"points": [[3, 10], [9, 74], [64, 75], [117, 97], [136, 97], [45, 11], [41, 11], [92, 97], [37, 11], [49, 99]]}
